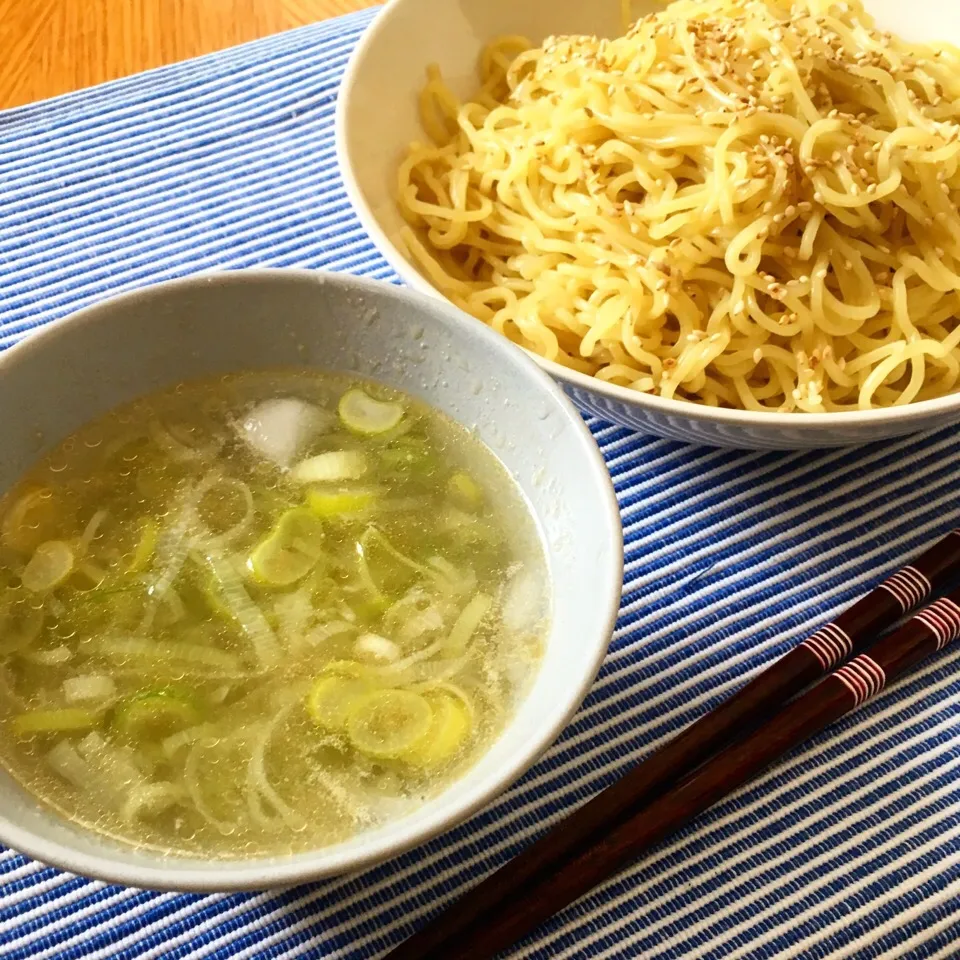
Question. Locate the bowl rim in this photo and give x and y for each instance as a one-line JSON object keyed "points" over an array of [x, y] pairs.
{"points": [[223, 875], [656, 406]]}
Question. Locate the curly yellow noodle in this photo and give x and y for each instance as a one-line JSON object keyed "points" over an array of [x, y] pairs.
{"points": [[743, 203]]}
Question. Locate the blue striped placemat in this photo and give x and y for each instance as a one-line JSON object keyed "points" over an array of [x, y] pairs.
{"points": [[849, 848]]}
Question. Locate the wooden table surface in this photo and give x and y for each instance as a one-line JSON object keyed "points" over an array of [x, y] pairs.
{"points": [[49, 47]]}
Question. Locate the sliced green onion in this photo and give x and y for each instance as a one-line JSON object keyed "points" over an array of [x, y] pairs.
{"points": [[150, 800], [343, 502], [90, 532], [114, 764], [181, 442], [464, 491], [51, 564], [156, 713], [372, 536], [53, 721], [330, 467], [389, 723], [376, 647], [175, 742], [173, 547], [375, 594], [450, 729], [292, 614], [89, 576], [24, 524], [64, 760], [409, 456], [167, 653], [324, 631], [146, 545], [230, 530], [289, 551], [360, 413], [246, 613], [466, 624], [192, 782], [259, 787], [331, 698], [96, 687], [48, 656], [449, 579]]}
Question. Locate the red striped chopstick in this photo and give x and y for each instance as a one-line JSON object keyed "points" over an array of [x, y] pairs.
{"points": [[862, 678], [519, 886]]}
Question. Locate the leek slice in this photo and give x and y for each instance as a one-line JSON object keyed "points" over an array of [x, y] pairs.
{"points": [[342, 502], [448, 732], [289, 551], [90, 532], [386, 580], [247, 614], [170, 653], [375, 647], [330, 467], [51, 564], [24, 524], [466, 624], [184, 738], [146, 547], [53, 721], [362, 414], [64, 760], [464, 491], [182, 442], [90, 687], [332, 697], [150, 800], [389, 723], [156, 713], [229, 527], [409, 457], [50, 656]]}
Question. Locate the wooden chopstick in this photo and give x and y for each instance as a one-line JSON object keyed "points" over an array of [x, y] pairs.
{"points": [[504, 899], [864, 677]]}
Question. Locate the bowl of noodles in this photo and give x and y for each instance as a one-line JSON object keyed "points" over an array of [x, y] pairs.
{"points": [[733, 222]]}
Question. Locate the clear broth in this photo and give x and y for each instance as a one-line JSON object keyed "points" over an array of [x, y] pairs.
{"points": [[205, 652]]}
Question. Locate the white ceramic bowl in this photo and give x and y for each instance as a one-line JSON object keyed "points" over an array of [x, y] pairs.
{"points": [[80, 367], [377, 119]]}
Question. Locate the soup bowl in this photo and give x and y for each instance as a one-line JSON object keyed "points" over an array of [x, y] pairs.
{"points": [[81, 367], [377, 119]]}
